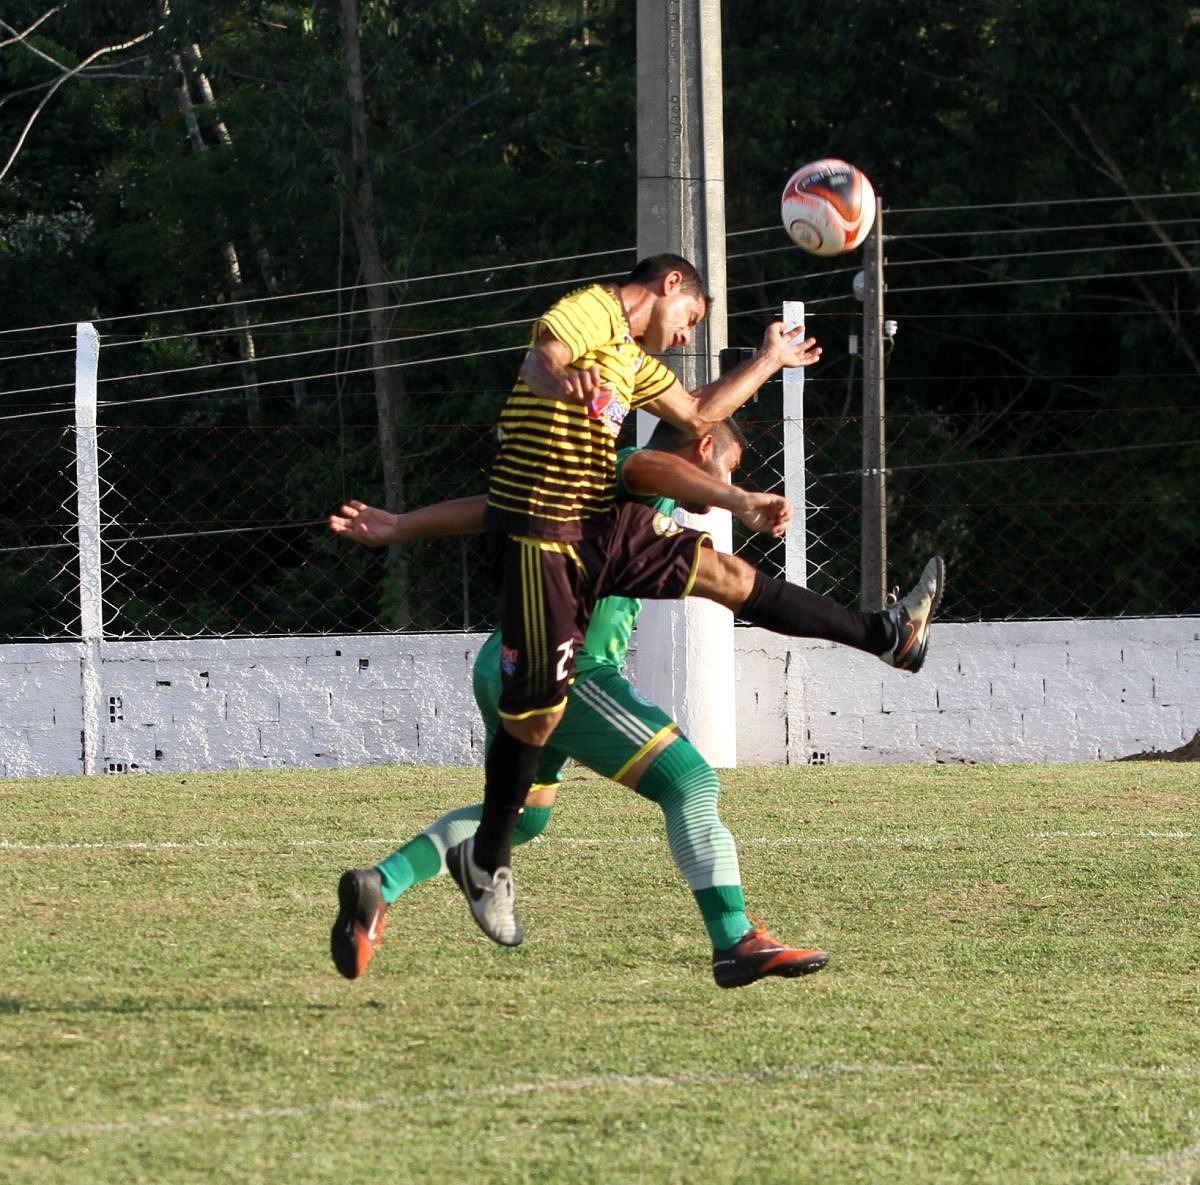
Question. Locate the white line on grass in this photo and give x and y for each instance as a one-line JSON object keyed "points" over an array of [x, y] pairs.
{"points": [[1177, 1162], [898, 839], [539, 1086], [1180, 1167], [189, 845], [1110, 835]]}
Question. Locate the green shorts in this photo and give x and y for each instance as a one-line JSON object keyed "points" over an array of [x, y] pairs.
{"points": [[607, 726]]}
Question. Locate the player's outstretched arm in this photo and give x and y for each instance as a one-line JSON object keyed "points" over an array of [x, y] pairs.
{"points": [[666, 475], [699, 410], [373, 527]]}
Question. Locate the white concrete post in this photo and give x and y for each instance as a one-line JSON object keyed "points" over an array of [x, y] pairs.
{"points": [[685, 655], [87, 497], [685, 652], [795, 543]]}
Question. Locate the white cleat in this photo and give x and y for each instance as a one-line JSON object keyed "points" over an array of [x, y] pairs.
{"points": [[490, 895]]}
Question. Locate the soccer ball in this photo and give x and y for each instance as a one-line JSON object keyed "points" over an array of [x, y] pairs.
{"points": [[828, 207]]}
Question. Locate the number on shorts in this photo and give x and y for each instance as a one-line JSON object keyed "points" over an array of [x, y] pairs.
{"points": [[564, 651]]}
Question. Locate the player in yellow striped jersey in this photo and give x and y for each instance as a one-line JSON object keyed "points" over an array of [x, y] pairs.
{"points": [[558, 541]]}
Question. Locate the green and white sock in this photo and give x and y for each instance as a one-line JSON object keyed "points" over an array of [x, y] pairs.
{"points": [[685, 786], [424, 856]]}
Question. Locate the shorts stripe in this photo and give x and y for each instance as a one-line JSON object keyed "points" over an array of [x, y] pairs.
{"points": [[533, 607], [705, 538], [562, 703], [624, 721], [667, 729]]}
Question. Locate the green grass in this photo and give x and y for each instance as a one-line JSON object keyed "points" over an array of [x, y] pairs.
{"points": [[1013, 994]]}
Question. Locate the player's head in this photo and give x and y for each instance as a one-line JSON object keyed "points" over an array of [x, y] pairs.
{"points": [[680, 302], [718, 451]]}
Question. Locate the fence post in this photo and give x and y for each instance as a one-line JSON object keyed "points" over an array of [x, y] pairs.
{"points": [[874, 450], [795, 476], [87, 496]]}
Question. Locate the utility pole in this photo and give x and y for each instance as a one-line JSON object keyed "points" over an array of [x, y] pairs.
{"points": [[873, 588], [685, 651]]}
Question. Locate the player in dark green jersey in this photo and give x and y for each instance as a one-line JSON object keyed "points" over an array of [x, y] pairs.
{"points": [[611, 729]]}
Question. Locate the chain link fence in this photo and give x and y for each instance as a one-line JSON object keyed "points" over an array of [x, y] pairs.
{"points": [[221, 530]]}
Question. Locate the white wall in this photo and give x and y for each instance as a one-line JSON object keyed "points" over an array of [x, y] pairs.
{"points": [[990, 692], [245, 703]]}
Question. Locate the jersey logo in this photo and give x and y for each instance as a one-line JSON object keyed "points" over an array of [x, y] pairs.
{"points": [[665, 525], [639, 357], [509, 657], [607, 408]]}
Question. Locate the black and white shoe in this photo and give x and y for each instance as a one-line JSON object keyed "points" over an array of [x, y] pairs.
{"points": [[490, 895]]}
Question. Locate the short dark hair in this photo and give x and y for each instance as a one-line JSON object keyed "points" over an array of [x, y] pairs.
{"points": [[667, 438], [653, 267]]}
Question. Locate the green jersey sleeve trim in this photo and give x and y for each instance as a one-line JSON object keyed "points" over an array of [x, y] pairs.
{"points": [[664, 505]]}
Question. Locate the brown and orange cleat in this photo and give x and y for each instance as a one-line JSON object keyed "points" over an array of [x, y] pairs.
{"points": [[758, 955], [362, 915]]}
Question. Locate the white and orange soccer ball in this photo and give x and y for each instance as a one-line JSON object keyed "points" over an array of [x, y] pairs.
{"points": [[828, 207]]}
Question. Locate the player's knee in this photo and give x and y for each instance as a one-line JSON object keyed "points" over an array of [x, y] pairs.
{"points": [[545, 794], [726, 579], [534, 730], [679, 773]]}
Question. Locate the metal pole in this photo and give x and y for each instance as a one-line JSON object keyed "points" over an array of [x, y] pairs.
{"points": [[874, 444]]}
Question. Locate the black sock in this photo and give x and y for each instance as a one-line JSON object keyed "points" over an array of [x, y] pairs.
{"points": [[509, 770], [798, 612]]}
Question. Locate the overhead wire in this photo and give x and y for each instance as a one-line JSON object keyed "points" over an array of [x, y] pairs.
{"points": [[531, 287], [508, 324], [816, 302], [442, 276], [1001, 257], [254, 300], [1022, 205], [1011, 282]]}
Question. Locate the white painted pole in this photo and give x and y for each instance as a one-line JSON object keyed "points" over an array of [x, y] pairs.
{"points": [[795, 542], [685, 652], [87, 496]]}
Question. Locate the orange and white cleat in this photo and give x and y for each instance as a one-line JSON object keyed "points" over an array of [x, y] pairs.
{"points": [[758, 955]]}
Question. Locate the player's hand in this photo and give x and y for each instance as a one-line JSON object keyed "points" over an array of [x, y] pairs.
{"points": [[367, 525], [582, 386], [768, 513], [789, 347]]}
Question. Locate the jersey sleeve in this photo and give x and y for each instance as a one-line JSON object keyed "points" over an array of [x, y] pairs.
{"points": [[622, 456], [664, 505], [582, 321], [653, 379]]}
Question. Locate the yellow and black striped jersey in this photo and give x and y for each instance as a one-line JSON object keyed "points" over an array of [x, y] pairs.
{"points": [[555, 473]]}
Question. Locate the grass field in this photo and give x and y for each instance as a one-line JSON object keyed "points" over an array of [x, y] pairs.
{"points": [[1014, 992]]}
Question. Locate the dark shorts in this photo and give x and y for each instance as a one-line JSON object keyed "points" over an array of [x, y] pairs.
{"points": [[548, 589]]}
